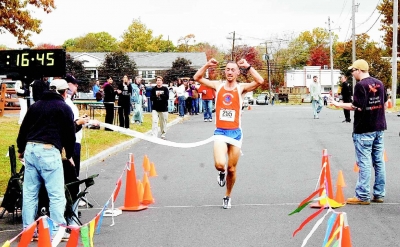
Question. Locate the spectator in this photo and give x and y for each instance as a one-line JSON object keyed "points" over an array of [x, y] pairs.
{"points": [[96, 88], [180, 93], [137, 100], [159, 97], [346, 97], [315, 92], [171, 97], [208, 95], [109, 101], [22, 92], [39, 87], [195, 98], [47, 128], [124, 102]]}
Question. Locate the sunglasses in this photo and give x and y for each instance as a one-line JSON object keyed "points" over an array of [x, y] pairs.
{"points": [[354, 70]]}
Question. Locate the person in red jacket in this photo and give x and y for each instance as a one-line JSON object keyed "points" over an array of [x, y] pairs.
{"points": [[207, 96]]}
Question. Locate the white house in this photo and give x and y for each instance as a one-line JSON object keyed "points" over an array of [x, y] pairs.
{"points": [[148, 64], [304, 77]]}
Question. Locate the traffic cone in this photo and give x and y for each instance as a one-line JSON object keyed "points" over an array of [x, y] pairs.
{"points": [[249, 107], [346, 239], [140, 191], [340, 180], [44, 233], [324, 180], [153, 172], [389, 104], [131, 202], [356, 168], [145, 180], [339, 195], [384, 156], [27, 234], [146, 164], [147, 197]]}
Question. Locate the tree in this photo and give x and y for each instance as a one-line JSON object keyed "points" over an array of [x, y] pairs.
{"points": [[184, 43], [117, 64], [16, 18], [76, 68], [138, 38], [93, 42], [319, 56], [211, 52], [47, 46], [180, 68], [386, 10], [69, 43]]}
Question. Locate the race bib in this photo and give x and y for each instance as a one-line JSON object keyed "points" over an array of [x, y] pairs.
{"points": [[227, 115]]}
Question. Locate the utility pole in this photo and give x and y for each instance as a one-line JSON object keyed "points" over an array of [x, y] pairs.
{"points": [[353, 20], [233, 43], [394, 51], [267, 57], [330, 54]]}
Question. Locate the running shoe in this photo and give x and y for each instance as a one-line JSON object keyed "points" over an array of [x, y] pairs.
{"points": [[226, 202], [221, 179]]}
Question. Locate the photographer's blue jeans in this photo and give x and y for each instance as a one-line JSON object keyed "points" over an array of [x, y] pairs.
{"points": [[369, 154], [181, 105], [43, 163]]}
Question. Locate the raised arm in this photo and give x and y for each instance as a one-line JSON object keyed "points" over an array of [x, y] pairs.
{"points": [[258, 80], [212, 63]]}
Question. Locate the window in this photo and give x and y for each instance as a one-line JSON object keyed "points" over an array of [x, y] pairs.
{"points": [[148, 74], [308, 76]]}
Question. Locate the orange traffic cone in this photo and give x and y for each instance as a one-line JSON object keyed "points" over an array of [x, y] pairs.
{"points": [[73, 238], [325, 180], [346, 239], [145, 180], [340, 180], [356, 168], [153, 172], [27, 234], [140, 191], [147, 197], [249, 107], [339, 195], [384, 156], [132, 202], [44, 233], [389, 104], [146, 164]]}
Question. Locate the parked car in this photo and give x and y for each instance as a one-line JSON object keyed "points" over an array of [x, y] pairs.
{"points": [[245, 103], [260, 100]]}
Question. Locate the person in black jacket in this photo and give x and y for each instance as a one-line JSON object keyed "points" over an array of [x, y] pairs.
{"points": [[47, 128], [124, 101], [159, 97], [346, 97], [109, 99]]}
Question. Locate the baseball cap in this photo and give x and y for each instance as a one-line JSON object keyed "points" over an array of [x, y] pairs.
{"points": [[59, 84], [360, 64], [71, 79]]}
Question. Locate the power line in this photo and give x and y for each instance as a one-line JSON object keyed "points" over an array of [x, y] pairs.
{"points": [[370, 15]]}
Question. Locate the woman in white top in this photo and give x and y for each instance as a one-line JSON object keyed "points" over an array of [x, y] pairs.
{"points": [[19, 88]]}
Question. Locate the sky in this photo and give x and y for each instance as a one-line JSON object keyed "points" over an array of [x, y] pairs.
{"points": [[212, 21]]}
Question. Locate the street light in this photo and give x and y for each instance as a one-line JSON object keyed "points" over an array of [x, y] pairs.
{"points": [[233, 42]]}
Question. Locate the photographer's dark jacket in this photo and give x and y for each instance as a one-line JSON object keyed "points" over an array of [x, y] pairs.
{"points": [[49, 121], [159, 103]]}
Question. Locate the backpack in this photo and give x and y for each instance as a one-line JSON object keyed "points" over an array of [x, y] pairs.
{"points": [[99, 96], [38, 88]]}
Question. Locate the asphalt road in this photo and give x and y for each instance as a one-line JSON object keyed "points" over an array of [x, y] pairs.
{"points": [[281, 162]]}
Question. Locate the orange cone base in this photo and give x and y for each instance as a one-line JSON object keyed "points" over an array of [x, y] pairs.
{"points": [[148, 202], [133, 208], [317, 205]]}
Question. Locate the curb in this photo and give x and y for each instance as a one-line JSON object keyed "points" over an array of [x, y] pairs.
{"points": [[117, 148]]}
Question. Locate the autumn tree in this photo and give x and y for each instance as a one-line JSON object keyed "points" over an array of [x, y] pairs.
{"points": [[92, 42], [186, 43], [17, 19], [76, 68], [319, 56], [385, 8], [47, 46], [180, 68], [211, 51], [116, 64]]}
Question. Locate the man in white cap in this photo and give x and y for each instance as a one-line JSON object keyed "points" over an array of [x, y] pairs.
{"points": [[47, 128], [369, 104]]}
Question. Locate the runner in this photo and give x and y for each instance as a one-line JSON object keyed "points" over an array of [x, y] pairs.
{"points": [[228, 107]]}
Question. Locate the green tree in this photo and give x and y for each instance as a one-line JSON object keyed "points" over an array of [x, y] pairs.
{"points": [[186, 43], [117, 64], [92, 42], [180, 68], [76, 68], [17, 19]]}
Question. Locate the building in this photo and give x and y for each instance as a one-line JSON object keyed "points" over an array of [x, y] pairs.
{"points": [[304, 77], [148, 64]]}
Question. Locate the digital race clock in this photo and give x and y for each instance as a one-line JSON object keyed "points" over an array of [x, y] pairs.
{"points": [[33, 63]]}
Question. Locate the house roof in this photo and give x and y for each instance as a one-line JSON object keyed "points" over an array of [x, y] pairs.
{"points": [[153, 59]]}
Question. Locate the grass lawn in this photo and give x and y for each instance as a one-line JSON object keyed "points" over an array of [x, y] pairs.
{"points": [[94, 141]]}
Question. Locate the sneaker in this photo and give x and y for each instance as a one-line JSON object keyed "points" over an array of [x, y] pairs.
{"points": [[377, 200], [226, 202], [221, 179], [35, 237], [209, 120], [205, 120], [65, 238], [356, 201]]}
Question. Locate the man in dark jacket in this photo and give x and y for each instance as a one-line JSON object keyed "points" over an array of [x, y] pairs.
{"points": [[47, 128], [159, 97], [109, 99], [346, 97]]}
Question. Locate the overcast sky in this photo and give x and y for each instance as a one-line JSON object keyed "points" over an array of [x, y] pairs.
{"points": [[254, 21]]}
